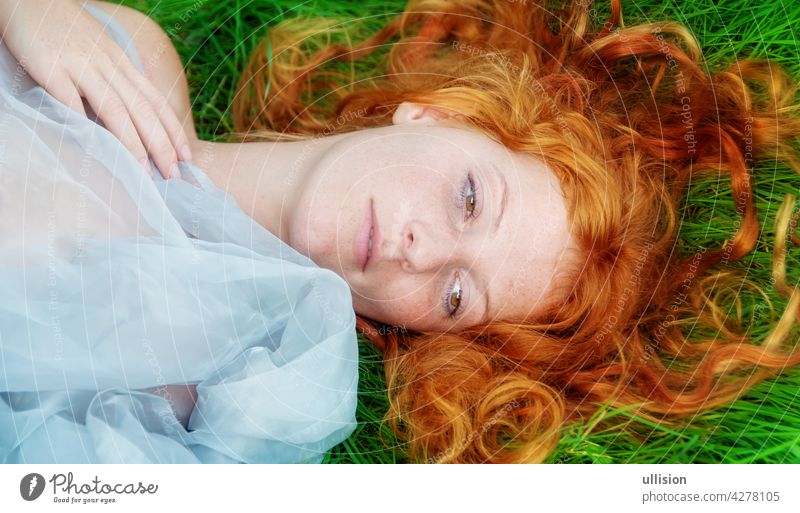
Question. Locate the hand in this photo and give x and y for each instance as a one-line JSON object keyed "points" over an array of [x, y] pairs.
{"points": [[65, 50]]}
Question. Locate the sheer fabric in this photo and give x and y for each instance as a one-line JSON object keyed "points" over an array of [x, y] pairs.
{"points": [[116, 284]]}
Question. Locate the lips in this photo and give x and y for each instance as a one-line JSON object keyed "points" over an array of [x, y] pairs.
{"points": [[367, 238], [373, 246], [363, 236]]}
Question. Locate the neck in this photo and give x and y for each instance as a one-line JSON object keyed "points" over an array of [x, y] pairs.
{"points": [[263, 177]]}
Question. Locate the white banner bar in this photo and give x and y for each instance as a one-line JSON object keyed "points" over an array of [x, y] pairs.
{"points": [[400, 488]]}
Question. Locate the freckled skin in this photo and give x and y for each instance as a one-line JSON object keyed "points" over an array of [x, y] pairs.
{"points": [[415, 171]]}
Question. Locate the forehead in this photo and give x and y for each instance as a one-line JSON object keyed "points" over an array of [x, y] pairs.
{"points": [[542, 250], [533, 248]]}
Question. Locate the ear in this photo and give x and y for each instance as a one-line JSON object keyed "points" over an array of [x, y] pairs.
{"points": [[416, 113]]}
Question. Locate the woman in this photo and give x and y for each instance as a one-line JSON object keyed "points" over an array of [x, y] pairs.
{"points": [[537, 270]]}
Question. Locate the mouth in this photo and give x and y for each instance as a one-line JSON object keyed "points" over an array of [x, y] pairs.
{"points": [[365, 238], [373, 245]]}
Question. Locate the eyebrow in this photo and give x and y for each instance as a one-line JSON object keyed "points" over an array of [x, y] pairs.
{"points": [[500, 215]]}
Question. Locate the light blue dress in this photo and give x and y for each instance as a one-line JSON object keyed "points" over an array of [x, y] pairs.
{"points": [[116, 284]]}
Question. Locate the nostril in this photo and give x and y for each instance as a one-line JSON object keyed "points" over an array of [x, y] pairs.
{"points": [[409, 238]]}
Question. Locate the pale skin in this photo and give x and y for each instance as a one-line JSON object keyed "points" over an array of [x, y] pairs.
{"points": [[466, 226]]}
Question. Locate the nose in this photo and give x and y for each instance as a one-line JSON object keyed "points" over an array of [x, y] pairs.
{"points": [[425, 247]]}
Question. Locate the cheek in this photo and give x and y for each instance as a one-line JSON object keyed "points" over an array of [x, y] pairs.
{"points": [[399, 306], [309, 234], [323, 225]]}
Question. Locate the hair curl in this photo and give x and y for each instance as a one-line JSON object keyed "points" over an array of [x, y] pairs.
{"points": [[625, 117]]}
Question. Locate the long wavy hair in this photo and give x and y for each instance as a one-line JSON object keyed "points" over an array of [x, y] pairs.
{"points": [[626, 117]]}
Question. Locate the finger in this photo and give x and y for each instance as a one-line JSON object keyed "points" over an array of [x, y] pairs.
{"points": [[62, 89], [154, 135], [148, 124], [165, 112], [112, 111], [122, 65]]}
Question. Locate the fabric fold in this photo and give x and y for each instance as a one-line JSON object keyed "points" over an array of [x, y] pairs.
{"points": [[116, 283]]}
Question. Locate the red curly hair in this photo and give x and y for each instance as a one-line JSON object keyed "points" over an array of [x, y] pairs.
{"points": [[625, 117]]}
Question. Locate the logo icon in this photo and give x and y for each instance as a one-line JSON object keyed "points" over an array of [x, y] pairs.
{"points": [[31, 486]]}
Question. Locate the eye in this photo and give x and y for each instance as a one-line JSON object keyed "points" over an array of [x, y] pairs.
{"points": [[468, 198], [452, 299]]}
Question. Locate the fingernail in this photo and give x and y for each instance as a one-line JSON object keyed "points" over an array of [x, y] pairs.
{"points": [[186, 153], [146, 165], [174, 172]]}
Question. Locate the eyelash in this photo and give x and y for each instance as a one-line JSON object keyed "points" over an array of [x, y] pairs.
{"points": [[469, 184]]}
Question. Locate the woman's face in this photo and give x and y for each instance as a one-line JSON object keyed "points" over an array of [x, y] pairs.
{"points": [[464, 231]]}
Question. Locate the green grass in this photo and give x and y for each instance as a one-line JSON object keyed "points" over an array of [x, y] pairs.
{"points": [[214, 40]]}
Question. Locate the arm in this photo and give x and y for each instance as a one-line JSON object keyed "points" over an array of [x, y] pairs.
{"points": [[65, 50]]}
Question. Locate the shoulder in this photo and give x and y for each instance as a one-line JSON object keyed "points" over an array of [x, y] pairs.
{"points": [[162, 64]]}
